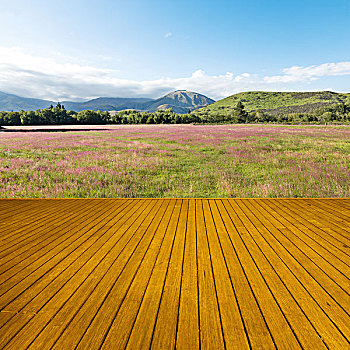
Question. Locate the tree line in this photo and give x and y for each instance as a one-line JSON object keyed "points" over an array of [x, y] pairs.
{"points": [[58, 115]]}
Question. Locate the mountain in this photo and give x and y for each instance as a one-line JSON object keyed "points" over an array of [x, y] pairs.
{"points": [[9, 102], [279, 102], [180, 101], [106, 104]]}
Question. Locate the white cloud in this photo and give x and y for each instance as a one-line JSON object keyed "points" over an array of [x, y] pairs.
{"points": [[168, 35], [241, 77], [310, 73], [27, 75]]}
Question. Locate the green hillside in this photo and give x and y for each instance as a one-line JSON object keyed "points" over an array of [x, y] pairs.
{"points": [[279, 102]]}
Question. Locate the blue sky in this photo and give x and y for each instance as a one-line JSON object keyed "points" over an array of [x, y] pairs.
{"points": [[82, 49]]}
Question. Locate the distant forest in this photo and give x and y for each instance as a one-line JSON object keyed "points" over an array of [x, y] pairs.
{"points": [[331, 114]]}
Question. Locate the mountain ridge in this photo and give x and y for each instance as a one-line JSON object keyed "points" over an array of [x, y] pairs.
{"points": [[181, 101]]}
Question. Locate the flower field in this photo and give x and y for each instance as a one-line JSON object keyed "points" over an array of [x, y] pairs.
{"points": [[176, 161]]}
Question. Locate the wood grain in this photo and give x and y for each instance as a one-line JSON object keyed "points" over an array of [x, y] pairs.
{"points": [[174, 273]]}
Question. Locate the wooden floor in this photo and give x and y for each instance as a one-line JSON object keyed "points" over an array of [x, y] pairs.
{"points": [[166, 273]]}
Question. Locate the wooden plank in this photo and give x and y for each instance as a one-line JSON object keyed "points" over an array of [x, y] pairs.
{"points": [[301, 291], [174, 273], [68, 337], [72, 296], [124, 319], [312, 250], [39, 267], [317, 234], [332, 231], [103, 318], [334, 213], [280, 329], [292, 220], [9, 209], [97, 237], [27, 227], [142, 328], [44, 237], [51, 231], [15, 275], [340, 209], [5, 316], [257, 330], [329, 217], [164, 334], [15, 321], [211, 331], [188, 319], [293, 312], [23, 308], [26, 236], [343, 202], [34, 213], [234, 331]]}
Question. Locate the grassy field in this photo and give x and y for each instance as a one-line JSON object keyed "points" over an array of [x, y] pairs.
{"points": [[254, 100], [176, 161]]}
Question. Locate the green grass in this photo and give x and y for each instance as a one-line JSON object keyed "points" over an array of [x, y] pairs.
{"points": [[254, 100]]}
